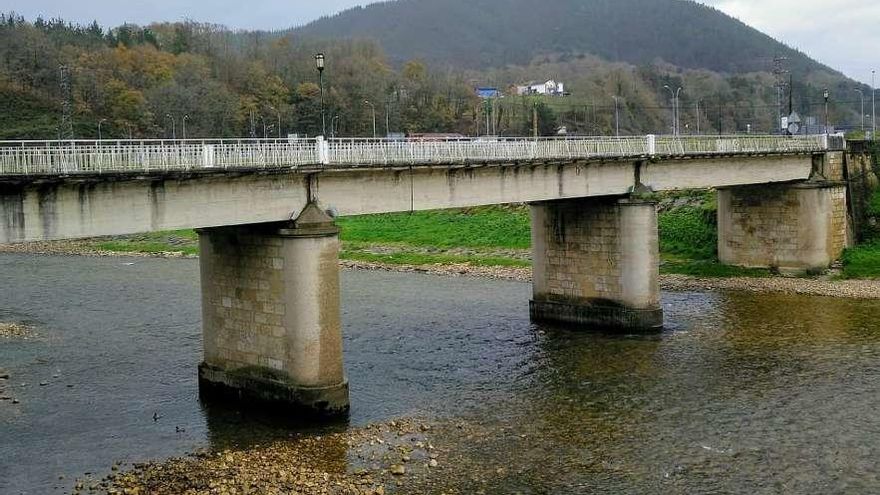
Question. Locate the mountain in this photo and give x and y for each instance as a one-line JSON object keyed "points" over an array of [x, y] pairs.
{"points": [[480, 34]]}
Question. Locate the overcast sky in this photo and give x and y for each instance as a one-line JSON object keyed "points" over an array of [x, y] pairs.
{"points": [[838, 33]]}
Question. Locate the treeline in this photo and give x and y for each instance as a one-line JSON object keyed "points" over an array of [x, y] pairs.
{"points": [[204, 80], [146, 81]]}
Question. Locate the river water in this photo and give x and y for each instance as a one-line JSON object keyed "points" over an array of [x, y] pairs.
{"points": [[742, 393]]}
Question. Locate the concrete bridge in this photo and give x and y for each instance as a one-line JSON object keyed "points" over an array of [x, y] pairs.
{"points": [[269, 246]]}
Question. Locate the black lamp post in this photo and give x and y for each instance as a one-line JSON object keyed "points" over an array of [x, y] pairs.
{"points": [[826, 95], [319, 63]]}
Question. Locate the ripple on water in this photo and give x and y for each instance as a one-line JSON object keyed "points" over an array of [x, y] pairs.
{"points": [[742, 393]]}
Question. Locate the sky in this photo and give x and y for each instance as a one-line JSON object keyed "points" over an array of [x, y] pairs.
{"points": [[839, 33]]}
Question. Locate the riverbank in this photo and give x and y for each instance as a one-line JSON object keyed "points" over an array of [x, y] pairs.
{"points": [[726, 279], [363, 461]]}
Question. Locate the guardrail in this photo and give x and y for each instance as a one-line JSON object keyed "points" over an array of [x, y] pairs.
{"points": [[75, 157]]}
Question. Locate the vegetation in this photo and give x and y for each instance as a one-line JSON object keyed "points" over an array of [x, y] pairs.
{"points": [[863, 261], [495, 226], [142, 81], [498, 33]]}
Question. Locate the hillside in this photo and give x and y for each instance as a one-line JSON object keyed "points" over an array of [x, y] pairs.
{"points": [[481, 34]]}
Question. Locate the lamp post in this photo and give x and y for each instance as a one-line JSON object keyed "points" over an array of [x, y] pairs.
{"points": [[99, 128], [677, 111], [616, 116], [862, 97], [826, 94], [675, 94], [173, 129], [185, 117], [319, 63], [373, 108]]}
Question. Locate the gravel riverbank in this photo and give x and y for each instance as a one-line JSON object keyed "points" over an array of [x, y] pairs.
{"points": [[853, 289]]}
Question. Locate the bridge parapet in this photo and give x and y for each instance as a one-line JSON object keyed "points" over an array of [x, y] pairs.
{"points": [[25, 158]]}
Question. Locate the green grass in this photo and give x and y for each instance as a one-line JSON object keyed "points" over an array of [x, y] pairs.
{"points": [[495, 227], [862, 261]]}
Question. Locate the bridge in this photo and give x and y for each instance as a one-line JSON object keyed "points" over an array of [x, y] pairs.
{"points": [[269, 245]]}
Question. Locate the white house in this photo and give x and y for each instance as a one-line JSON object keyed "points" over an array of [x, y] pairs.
{"points": [[550, 88]]}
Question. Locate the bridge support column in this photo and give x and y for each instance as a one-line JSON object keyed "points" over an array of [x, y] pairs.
{"points": [[792, 227], [270, 305], [596, 263]]}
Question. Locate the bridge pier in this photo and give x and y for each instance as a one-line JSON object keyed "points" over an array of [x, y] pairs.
{"points": [[596, 263], [270, 304], [792, 227]]}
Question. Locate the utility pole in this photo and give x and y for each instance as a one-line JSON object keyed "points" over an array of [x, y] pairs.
{"points": [[873, 107], [698, 117]]}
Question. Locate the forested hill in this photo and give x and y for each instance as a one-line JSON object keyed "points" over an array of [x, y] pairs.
{"points": [[481, 34]]}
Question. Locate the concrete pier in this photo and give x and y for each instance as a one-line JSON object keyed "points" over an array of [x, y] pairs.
{"points": [[790, 227], [270, 304], [596, 263]]}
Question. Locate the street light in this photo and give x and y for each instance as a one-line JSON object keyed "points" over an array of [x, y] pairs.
{"points": [[826, 94], [373, 108], [185, 117], [319, 64], [862, 97], [99, 128], [675, 94], [173, 128]]}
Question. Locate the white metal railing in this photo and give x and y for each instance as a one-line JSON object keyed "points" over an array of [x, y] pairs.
{"points": [[117, 156]]}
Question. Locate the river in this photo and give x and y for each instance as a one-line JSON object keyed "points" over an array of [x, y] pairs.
{"points": [[742, 393]]}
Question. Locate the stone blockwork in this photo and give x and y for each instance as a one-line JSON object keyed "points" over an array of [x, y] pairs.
{"points": [[596, 262], [270, 302], [798, 227]]}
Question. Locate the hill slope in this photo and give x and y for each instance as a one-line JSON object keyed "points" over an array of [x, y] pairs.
{"points": [[494, 33]]}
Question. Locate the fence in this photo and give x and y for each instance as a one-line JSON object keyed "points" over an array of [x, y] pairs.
{"points": [[97, 157]]}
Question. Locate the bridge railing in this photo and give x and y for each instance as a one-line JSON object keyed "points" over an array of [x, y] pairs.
{"points": [[71, 157]]}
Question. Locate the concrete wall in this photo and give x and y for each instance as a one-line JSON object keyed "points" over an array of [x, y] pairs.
{"points": [[596, 262], [63, 208], [791, 227]]}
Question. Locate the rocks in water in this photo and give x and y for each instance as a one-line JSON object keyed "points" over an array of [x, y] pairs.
{"points": [[398, 470]]}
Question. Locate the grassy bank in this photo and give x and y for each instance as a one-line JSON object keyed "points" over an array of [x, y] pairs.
{"points": [[863, 261]]}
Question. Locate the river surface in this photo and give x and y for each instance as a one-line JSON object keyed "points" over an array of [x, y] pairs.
{"points": [[742, 393]]}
